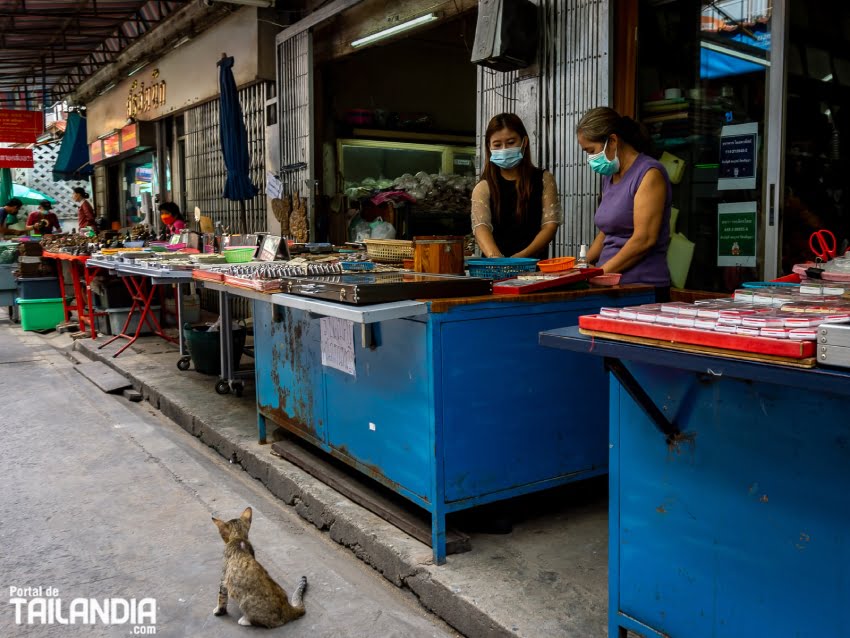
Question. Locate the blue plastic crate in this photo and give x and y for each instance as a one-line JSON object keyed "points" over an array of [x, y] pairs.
{"points": [[500, 267]]}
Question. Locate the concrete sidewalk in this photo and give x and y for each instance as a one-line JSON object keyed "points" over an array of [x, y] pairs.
{"points": [[546, 579]]}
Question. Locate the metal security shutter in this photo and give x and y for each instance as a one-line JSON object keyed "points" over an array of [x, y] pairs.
{"points": [[574, 67], [205, 170], [295, 121]]}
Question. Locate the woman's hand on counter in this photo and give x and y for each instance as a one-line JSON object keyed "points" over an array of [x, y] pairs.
{"points": [[540, 242], [486, 242]]}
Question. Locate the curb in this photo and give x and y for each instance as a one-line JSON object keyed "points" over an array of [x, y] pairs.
{"points": [[400, 559]]}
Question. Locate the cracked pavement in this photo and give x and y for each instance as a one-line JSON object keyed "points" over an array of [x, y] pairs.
{"points": [[107, 499]]}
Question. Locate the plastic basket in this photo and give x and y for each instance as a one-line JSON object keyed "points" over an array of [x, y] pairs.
{"points": [[239, 255], [500, 267], [41, 314], [389, 251], [556, 264]]}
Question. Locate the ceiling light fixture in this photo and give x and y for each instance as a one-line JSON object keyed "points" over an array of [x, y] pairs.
{"points": [[399, 28], [181, 41], [107, 89], [136, 69]]}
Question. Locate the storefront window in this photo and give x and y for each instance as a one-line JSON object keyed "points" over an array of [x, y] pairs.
{"points": [[702, 79], [817, 127], [138, 181]]}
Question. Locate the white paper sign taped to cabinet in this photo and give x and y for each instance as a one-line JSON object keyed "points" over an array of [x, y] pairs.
{"points": [[338, 344]]}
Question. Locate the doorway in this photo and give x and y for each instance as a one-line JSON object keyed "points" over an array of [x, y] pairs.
{"points": [[703, 92], [817, 127]]}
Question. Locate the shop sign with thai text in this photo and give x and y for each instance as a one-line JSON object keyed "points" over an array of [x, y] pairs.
{"points": [[16, 158], [20, 127], [144, 98]]}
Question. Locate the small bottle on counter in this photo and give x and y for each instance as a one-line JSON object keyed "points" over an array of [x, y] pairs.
{"points": [[581, 262]]}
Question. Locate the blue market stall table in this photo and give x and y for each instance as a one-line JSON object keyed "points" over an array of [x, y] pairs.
{"points": [[728, 487], [142, 283], [451, 403]]}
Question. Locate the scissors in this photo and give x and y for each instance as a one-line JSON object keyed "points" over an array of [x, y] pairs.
{"points": [[823, 245]]}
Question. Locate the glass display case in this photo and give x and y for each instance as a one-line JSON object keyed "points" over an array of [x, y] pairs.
{"points": [[385, 160]]}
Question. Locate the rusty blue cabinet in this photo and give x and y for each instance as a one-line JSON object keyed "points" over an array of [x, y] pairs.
{"points": [[736, 525], [454, 407]]}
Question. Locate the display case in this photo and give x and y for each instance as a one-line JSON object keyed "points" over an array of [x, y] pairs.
{"points": [[387, 160]]}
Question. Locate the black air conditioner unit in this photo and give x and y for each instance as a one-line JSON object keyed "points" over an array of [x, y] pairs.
{"points": [[506, 34]]}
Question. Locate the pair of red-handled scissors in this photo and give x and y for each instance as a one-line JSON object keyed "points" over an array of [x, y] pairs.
{"points": [[823, 245]]}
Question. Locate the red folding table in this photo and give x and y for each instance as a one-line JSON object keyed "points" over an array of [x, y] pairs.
{"points": [[142, 284], [83, 304]]}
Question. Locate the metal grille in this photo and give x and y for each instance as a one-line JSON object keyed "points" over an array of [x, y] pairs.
{"points": [[205, 170], [206, 173], [573, 78], [40, 178], [295, 109]]}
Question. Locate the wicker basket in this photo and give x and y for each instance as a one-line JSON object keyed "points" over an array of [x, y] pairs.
{"points": [[389, 251]]}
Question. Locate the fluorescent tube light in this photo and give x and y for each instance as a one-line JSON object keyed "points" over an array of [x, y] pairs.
{"points": [[181, 41], [404, 26], [827, 78], [136, 69], [106, 89]]}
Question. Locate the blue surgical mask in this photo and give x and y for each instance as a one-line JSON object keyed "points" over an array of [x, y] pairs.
{"points": [[599, 162], [507, 157]]}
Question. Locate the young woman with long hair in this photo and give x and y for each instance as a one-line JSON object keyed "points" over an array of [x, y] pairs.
{"points": [[515, 206]]}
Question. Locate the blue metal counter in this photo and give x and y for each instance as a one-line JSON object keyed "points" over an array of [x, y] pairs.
{"points": [[453, 407], [733, 524]]}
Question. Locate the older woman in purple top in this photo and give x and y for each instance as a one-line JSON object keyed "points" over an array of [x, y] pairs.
{"points": [[633, 217]]}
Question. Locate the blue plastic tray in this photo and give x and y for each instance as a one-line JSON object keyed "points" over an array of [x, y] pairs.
{"points": [[500, 267]]}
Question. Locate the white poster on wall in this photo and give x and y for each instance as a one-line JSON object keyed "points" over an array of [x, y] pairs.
{"points": [[738, 157], [338, 344]]}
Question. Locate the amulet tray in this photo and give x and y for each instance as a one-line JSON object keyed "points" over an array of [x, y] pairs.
{"points": [[691, 336], [527, 285]]}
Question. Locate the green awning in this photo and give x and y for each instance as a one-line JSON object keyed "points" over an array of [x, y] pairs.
{"points": [[73, 160]]}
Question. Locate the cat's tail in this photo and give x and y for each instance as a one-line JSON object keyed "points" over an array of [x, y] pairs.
{"points": [[298, 596]]}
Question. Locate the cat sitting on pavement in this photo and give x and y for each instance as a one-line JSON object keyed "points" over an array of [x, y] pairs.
{"points": [[262, 601]]}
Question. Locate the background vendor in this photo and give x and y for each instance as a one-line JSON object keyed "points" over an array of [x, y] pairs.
{"points": [[633, 217], [9, 214], [515, 206], [171, 217], [43, 221], [85, 212]]}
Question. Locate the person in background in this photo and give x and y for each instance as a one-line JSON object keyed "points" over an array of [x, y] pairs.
{"points": [[43, 221], [9, 214], [633, 217], [170, 214], [515, 206], [85, 213]]}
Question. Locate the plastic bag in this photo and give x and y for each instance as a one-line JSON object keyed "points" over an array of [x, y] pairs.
{"points": [[382, 230], [359, 229]]}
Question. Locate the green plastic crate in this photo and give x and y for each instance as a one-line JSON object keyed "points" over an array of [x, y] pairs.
{"points": [[41, 314]]}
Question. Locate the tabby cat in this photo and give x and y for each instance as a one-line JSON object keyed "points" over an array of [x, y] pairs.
{"points": [[263, 602]]}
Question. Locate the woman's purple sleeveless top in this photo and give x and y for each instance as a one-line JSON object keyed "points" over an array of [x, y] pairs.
{"points": [[615, 218]]}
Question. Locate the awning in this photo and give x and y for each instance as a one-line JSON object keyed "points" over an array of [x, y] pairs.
{"points": [[73, 159]]}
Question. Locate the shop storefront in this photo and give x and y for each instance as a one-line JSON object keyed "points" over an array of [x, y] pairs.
{"points": [[153, 137], [745, 98], [365, 113]]}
